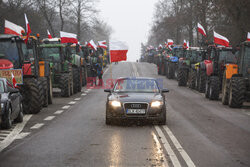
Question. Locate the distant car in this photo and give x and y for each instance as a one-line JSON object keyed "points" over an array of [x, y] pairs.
{"points": [[136, 99], [11, 104]]}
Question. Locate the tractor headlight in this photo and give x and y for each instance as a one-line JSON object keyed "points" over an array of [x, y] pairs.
{"points": [[115, 103], [156, 104]]}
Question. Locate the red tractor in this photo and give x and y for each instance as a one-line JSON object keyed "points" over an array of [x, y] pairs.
{"points": [[19, 60]]}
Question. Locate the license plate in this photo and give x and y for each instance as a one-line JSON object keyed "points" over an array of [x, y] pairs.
{"points": [[136, 111]]}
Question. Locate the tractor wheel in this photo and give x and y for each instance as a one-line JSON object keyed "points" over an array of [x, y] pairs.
{"points": [[44, 81], [214, 89], [171, 71], [207, 87], [65, 85], [182, 77], [237, 90], [167, 70], [225, 90], [32, 92], [193, 79], [202, 82], [76, 78], [50, 90], [6, 120], [80, 81]]}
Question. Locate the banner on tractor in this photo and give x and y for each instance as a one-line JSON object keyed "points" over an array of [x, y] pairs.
{"points": [[18, 74]]}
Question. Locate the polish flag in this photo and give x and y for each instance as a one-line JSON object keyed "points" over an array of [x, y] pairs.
{"points": [[92, 45], [102, 44], [13, 80], [248, 36], [184, 44], [220, 40], [28, 30], [170, 42], [68, 37], [118, 51], [49, 35], [201, 30], [13, 29]]}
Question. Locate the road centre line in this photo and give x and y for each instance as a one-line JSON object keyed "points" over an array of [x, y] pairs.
{"points": [[168, 148], [178, 146], [72, 102], [49, 118], [58, 112], [84, 94], [12, 136], [37, 126], [159, 150], [77, 99], [22, 135], [66, 107]]}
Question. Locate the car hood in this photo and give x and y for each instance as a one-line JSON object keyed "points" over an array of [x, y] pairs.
{"points": [[136, 97]]}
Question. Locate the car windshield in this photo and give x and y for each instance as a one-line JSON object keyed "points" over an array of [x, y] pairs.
{"points": [[9, 51], [1, 87], [136, 85], [52, 54]]}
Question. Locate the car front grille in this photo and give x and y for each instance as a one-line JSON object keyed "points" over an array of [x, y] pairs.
{"points": [[135, 106]]}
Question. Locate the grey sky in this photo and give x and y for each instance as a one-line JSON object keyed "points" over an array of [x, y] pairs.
{"points": [[130, 20]]}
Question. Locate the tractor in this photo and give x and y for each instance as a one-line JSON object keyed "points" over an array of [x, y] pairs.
{"points": [[59, 58], [219, 57], [236, 79], [19, 61], [172, 59]]}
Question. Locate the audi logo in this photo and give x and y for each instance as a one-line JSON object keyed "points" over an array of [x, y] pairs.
{"points": [[136, 105]]}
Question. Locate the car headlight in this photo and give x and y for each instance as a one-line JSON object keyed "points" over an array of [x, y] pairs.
{"points": [[156, 103], [116, 103]]}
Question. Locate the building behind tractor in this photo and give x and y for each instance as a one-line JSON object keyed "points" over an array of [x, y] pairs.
{"points": [[236, 79]]}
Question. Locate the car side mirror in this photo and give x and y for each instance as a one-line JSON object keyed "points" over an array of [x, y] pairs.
{"points": [[107, 90], [164, 91]]}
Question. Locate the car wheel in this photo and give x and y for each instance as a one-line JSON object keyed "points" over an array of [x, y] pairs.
{"points": [[7, 122], [108, 119], [19, 118]]}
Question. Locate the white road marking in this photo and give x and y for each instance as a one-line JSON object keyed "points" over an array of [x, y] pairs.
{"points": [[84, 94], [72, 102], [168, 148], [77, 99], [5, 131], [37, 126], [12, 136], [105, 71], [66, 107], [159, 151], [49, 118], [59, 112], [22, 135], [176, 143]]}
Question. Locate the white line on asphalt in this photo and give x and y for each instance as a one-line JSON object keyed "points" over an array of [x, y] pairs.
{"points": [[22, 135], [58, 112], [84, 94], [168, 148], [5, 131], [183, 153], [72, 102], [159, 150], [105, 71], [37, 126], [65, 107], [77, 99], [12, 136], [49, 118]]}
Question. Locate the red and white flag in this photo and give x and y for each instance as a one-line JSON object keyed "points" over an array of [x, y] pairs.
{"points": [[248, 36], [118, 51], [28, 30], [13, 80], [220, 40], [184, 44], [13, 29], [201, 30], [102, 44], [49, 35], [170, 42], [92, 44], [68, 37]]}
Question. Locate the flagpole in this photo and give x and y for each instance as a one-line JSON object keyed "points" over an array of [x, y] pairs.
{"points": [[110, 66]]}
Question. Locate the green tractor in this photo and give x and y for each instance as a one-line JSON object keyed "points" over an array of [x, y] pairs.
{"points": [[59, 58], [20, 60], [236, 79]]}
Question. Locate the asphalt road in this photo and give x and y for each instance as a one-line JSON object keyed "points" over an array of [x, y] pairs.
{"points": [[72, 132]]}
